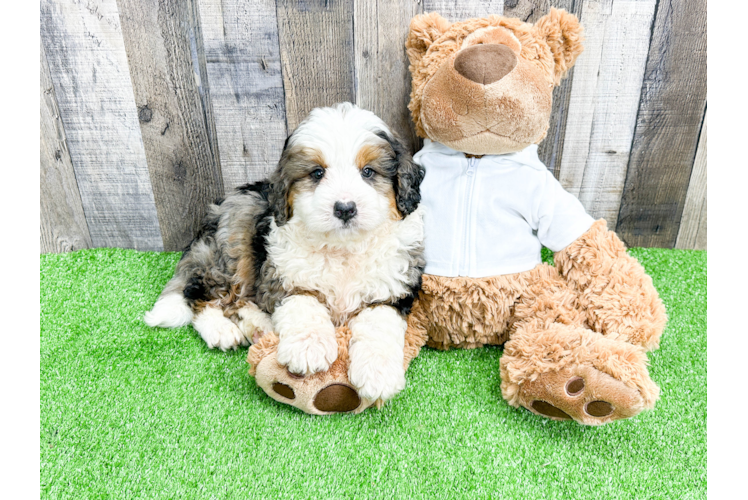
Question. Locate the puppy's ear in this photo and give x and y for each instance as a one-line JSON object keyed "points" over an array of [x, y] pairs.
{"points": [[279, 187], [563, 34], [408, 176], [424, 30]]}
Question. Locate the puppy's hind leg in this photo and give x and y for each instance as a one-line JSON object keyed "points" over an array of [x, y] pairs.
{"points": [[253, 322], [217, 330]]}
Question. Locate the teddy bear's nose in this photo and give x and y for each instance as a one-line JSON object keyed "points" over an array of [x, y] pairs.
{"points": [[485, 63]]}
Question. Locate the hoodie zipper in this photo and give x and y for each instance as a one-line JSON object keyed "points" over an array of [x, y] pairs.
{"points": [[471, 174]]}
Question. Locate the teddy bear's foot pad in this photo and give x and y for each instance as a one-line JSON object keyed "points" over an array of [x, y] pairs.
{"points": [[284, 390], [581, 393], [321, 393], [335, 398]]}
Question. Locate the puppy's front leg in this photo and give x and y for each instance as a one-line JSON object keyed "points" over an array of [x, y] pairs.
{"points": [[306, 335], [376, 352]]}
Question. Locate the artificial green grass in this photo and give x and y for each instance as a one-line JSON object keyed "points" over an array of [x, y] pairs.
{"points": [[129, 411]]}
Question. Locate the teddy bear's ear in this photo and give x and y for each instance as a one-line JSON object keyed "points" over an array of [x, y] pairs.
{"points": [[424, 30], [563, 34]]}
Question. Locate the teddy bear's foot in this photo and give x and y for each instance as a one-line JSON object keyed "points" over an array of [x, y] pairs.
{"points": [[322, 393], [581, 393], [566, 372]]}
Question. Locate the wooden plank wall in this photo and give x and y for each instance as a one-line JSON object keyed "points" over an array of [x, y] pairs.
{"points": [[89, 71], [151, 110]]}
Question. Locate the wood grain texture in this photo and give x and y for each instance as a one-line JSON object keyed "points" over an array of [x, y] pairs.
{"points": [[63, 224], [200, 64], [316, 44], [246, 87], [602, 106], [185, 174], [667, 128], [150, 111], [692, 230], [382, 79], [528, 10], [459, 10], [88, 66]]}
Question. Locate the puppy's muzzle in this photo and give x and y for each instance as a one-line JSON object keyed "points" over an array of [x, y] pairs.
{"points": [[344, 211]]}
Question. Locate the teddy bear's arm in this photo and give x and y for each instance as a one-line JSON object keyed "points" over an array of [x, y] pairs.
{"points": [[617, 294]]}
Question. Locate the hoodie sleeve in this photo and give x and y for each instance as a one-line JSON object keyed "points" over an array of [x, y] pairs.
{"points": [[560, 216]]}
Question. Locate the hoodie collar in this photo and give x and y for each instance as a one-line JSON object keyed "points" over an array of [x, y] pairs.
{"points": [[528, 156]]}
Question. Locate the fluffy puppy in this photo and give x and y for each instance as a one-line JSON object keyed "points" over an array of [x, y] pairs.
{"points": [[333, 237]]}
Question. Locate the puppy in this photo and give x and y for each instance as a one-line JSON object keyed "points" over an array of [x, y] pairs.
{"points": [[333, 237]]}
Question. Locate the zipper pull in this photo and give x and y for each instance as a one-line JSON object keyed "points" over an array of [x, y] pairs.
{"points": [[471, 165]]}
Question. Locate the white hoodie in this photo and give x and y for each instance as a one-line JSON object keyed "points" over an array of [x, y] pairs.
{"points": [[490, 216]]}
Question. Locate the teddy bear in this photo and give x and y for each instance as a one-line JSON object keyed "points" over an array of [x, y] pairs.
{"points": [[575, 335]]}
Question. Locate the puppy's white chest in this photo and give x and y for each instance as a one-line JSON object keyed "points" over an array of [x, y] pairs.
{"points": [[347, 276]]}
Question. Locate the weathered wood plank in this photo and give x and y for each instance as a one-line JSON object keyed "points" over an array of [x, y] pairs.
{"points": [[316, 46], [529, 10], [667, 128], [88, 66], [551, 148], [459, 10], [63, 224], [200, 64], [382, 76], [603, 103], [246, 86], [692, 231], [184, 172]]}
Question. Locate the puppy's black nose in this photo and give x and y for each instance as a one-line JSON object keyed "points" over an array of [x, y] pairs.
{"points": [[344, 211]]}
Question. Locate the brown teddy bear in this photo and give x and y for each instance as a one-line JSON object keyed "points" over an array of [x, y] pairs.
{"points": [[575, 335]]}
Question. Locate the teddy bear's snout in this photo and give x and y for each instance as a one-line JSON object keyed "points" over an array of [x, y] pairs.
{"points": [[485, 63]]}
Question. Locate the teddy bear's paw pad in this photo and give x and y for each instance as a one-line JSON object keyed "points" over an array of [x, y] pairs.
{"points": [[284, 390], [598, 409], [322, 393], [548, 410], [575, 386], [583, 393], [337, 398]]}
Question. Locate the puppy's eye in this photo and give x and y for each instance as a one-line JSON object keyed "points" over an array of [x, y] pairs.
{"points": [[317, 173], [367, 173]]}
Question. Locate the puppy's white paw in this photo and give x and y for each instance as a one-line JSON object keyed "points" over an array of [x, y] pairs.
{"points": [[253, 322], [308, 353], [217, 330], [375, 373], [170, 310]]}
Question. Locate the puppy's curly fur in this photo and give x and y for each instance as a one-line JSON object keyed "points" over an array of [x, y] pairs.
{"points": [[333, 237]]}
